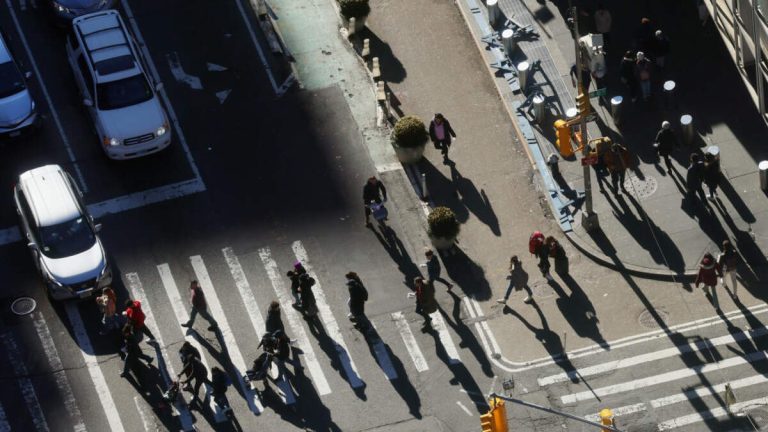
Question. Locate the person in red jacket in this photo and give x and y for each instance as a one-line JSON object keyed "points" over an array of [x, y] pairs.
{"points": [[709, 271], [199, 306], [136, 317]]}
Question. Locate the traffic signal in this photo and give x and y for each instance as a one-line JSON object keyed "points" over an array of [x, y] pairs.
{"points": [[495, 420], [563, 132], [583, 105]]}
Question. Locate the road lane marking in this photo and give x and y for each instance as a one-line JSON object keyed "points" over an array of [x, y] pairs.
{"points": [[259, 51], [4, 425], [145, 418], [25, 383], [178, 72], [62, 382], [92, 364], [445, 338], [294, 321], [382, 357], [54, 114], [464, 408], [166, 367], [410, 342], [230, 344], [172, 291], [257, 320], [213, 67], [710, 414]]}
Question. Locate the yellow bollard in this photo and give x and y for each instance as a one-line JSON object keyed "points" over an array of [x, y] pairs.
{"points": [[606, 418], [563, 132]]}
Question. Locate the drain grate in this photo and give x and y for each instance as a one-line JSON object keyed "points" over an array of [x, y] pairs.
{"points": [[641, 188], [650, 320], [23, 306]]}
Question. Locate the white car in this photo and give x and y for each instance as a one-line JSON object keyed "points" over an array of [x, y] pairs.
{"points": [[17, 109], [60, 233], [116, 89]]}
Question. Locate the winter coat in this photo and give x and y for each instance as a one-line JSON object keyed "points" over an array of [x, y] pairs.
{"points": [[666, 141], [693, 176], [446, 127], [135, 315], [374, 192], [711, 173], [433, 268], [425, 297], [659, 46], [358, 295], [305, 287], [728, 260], [627, 70], [198, 298], [643, 69], [274, 321], [708, 273], [617, 160]]}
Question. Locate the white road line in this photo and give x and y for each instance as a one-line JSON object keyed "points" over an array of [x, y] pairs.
{"points": [[52, 354], [257, 321], [54, 114], [649, 357], [382, 358], [662, 378], [394, 166], [172, 291], [145, 418], [4, 425], [25, 383], [92, 363], [178, 72], [294, 321], [329, 322], [620, 411], [710, 414], [445, 338], [464, 408], [468, 304], [238, 362], [410, 342], [259, 51], [147, 197], [166, 367]]}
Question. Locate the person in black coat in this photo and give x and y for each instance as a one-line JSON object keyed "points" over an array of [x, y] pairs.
{"points": [[694, 177], [308, 303], [274, 322], [711, 174], [665, 143], [373, 191], [441, 132], [627, 74], [358, 295]]}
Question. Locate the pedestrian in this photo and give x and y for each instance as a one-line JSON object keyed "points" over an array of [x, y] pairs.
{"points": [[132, 351], [586, 77], [728, 261], [373, 191], [358, 295], [194, 369], [107, 302], [186, 351], [665, 143], [643, 72], [274, 321], [308, 302], [603, 22], [709, 271], [518, 281], [425, 299], [136, 318], [441, 134], [711, 174], [434, 269], [643, 35], [627, 74], [660, 48], [694, 177], [617, 161], [536, 248], [294, 275], [199, 306], [557, 252]]}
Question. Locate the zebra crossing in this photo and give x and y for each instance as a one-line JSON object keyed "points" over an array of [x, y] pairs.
{"points": [[250, 281]]}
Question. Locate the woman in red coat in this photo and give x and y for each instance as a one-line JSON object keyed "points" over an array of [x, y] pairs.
{"points": [[709, 271]]}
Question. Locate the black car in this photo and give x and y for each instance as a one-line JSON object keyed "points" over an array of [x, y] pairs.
{"points": [[65, 10]]}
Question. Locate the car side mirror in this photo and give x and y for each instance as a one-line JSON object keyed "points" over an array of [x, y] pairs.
{"points": [[88, 102], [28, 75], [97, 227], [159, 86]]}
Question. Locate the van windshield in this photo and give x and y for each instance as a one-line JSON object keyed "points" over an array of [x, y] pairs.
{"points": [[122, 93], [11, 81], [67, 238]]}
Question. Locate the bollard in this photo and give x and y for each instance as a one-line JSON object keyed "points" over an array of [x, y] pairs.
{"points": [[523, 70], [616, 102], [669, 93], [686, 124], [508, 41], [606, 418], [424, 192], [539, 105], [366, 52], [375, 69], [494, 13], [763, 168], [352, 27]]}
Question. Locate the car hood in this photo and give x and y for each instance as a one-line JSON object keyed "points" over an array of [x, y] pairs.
{"points": [[15, 108], [77, 268], [134, 120]]}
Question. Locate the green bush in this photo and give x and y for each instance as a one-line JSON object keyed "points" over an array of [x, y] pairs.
{"points": [[410, 132], [354, 8], [442, 223]]}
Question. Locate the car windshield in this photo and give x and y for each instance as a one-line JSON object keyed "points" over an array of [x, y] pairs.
{"points": [[123, 93], [11, 81], [67, 238]]}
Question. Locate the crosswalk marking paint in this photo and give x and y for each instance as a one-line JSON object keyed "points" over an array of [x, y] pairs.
{"points": [[238, 362], [620, 411], [382, 358], [172, 291], [166, 367], [52, 354], [4, 425], [662, 378], [94, 370], [25, 384], [329, 322], [445, 338], [294, 321], [710, 414], [652, 356], [257, 320], [143, 416], [410, 342]]}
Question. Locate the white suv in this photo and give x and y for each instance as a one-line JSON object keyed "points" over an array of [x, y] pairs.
{"points": [[115, 87], [60, 233]]}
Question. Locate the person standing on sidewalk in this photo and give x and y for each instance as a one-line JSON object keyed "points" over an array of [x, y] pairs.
{"points": [[728, 260], [132, 351], [557, 252], [643, 72], [425, 299], [537, 247], [693, 178], [434, 269], [199, 306], [373, 191], [711, 174], [518, 281], [358, 295], [627, 74], [136, 319], [709, 271], [107, 302], [617, 162], [660, 48], [603, 22], [441, 132], [665, 143]]}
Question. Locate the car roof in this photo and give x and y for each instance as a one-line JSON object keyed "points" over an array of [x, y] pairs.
{"points": [[5, 53], [106, 42], [49, 195]]}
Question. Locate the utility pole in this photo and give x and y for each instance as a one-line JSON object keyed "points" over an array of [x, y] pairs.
{"points": [[589, 217]]}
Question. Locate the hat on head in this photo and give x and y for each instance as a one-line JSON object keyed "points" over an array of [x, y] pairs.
{"points": [[665, 124], [658, 33], [640, 55]]}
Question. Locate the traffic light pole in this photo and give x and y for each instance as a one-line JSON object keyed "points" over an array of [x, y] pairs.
{"points": [[603, 427]]}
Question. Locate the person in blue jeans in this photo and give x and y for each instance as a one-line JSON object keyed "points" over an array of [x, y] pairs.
{"points": [[518, 281], [434, 269], [199, 306]]}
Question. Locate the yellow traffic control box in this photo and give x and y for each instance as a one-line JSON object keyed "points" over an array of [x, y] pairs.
{"points": [[606, 418], [563, 132]]}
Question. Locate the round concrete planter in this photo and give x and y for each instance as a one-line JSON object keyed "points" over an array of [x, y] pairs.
{"points": [[442, 243], [409, 155]]}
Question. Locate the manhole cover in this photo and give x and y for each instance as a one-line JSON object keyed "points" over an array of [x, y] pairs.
{"points": [[641, 188], [23, 306], [542, 290], [651, 320]]}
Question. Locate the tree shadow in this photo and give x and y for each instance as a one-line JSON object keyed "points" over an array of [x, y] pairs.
{"points": [[397, 251], [467, 274], [392, 70]]}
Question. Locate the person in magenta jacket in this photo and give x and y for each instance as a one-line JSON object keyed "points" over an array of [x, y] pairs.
{"points": [[709, 271]]}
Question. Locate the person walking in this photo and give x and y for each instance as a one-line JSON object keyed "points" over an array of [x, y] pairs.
{"points": [[709, 271], [293, 275], [537, 247], [518, 281], [694, 177], [425, 299], [711, 174], [617, 161], [643, 71], [308, 302], [627, 74], [603, 22], [665, 143], [643, 35], [274, 321], [194, 369], [660, 48], [434, 269], [358, 295], [557, 252], [728, 260], [107, 302], [199, 306], [373, 191], [132, 350], [441, 134], [136, 318], [186, 351]]}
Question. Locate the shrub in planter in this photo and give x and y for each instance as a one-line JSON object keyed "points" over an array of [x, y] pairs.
{"points": [[354, 8], [409, 132], [442, 223]]}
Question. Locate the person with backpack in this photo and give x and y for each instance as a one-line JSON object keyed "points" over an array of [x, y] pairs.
{"points": [[199, 306], [308, 302], [434, 269], [132, 350], [537, 248], [136, 318], [709, 271], [518, 281], [728, 260], [425, 299], [358, 295], [107, 302]]}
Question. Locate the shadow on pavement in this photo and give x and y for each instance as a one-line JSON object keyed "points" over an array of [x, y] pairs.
{"points": [[466, 273], [336, 354], [468, 339], [397, 251], [392, 70]]}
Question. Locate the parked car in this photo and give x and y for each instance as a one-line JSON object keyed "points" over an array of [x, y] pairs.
{"points": [[17, 109], [64, 11], [115, 87], [60, 233]]}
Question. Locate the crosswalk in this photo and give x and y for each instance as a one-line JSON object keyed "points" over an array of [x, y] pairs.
{"points": [[238, 288]]}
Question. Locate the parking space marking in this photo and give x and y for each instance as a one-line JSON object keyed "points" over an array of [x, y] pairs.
{"points": [[54, 114], [259, 51], [25, 383]]}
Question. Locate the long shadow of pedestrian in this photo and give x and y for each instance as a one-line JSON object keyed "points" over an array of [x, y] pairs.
{"points": [[336, 354], [396, 250], [475, 201], [741, 207], [148, 382], [314, 414], [392, 69], [578, 310], [468, 339], [467, 274]]}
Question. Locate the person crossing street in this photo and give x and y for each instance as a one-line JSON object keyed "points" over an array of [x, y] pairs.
{"points": [[136, 317], [434, 269], [199, 306], [373, 191]]}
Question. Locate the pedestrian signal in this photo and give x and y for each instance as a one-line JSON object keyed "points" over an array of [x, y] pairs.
{"points": [[583, 105]]}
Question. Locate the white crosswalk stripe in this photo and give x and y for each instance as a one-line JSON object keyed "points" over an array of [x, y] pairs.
{"points": [[25, 384], [382, 357], [410, 342], [445, 338]]}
